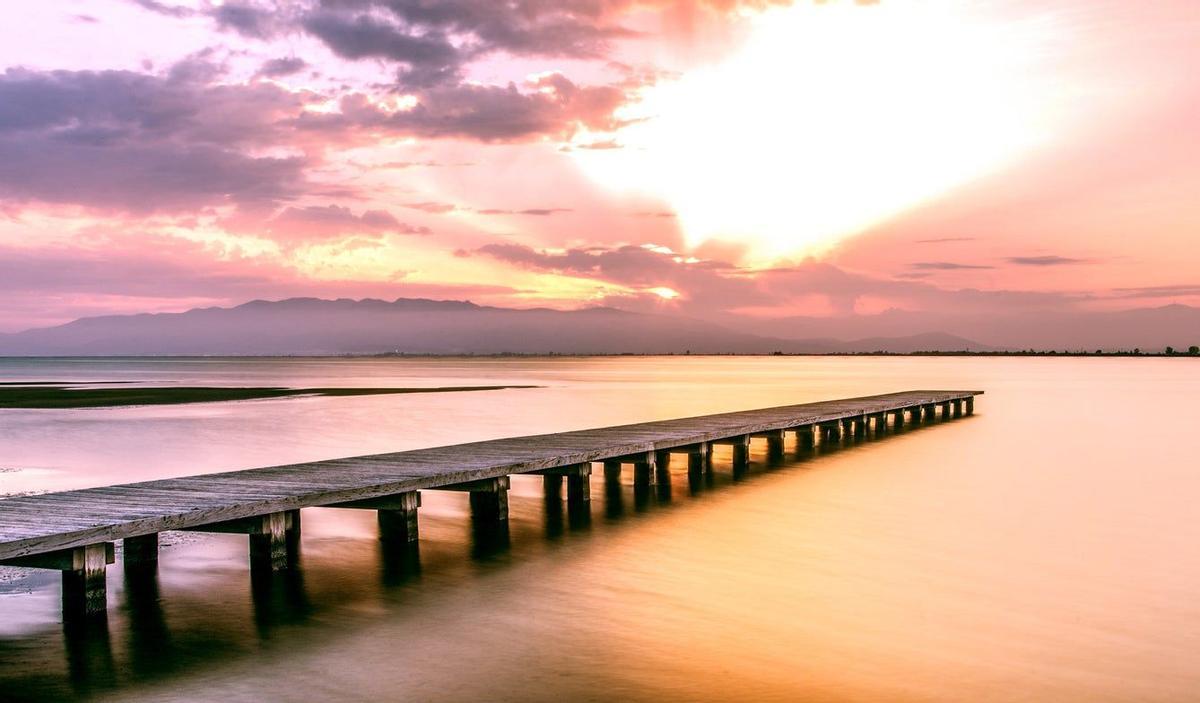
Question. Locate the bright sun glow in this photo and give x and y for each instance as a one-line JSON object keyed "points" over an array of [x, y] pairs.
{"points": [[835, 117]]}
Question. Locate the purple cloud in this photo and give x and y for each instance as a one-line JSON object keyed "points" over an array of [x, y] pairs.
{"points": [[945, 266], [1044, 261], [315, 222]]}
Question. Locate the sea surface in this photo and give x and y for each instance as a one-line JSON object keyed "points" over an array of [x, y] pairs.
{"points": [[1043, 549]]}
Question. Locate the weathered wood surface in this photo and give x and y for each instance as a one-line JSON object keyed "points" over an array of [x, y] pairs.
{"points": [[43, 523]]}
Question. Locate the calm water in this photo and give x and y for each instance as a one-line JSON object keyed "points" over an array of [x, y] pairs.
{"points": [[1041, 550]]}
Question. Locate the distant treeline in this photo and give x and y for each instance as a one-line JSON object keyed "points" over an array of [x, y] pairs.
{"points": [[1169, 351]]}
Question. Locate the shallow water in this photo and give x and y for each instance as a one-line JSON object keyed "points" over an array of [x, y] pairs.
{"points": [[1040, 550]]}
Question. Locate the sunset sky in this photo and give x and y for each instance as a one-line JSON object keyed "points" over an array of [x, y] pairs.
{"points": [[715, 158]]}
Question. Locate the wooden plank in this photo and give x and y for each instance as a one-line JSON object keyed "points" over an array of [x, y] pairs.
{"points": [[40, 524]]}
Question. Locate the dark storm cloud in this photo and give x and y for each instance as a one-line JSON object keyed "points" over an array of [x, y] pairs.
{"points": [[1044, 260]]}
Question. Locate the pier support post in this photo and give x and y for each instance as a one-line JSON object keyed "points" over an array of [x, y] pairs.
{"points": [[741, 453], [699, 459], [398, 522], [268, 544], [644, 469], [396, 515], [969, 404], [552, 487], [274, 538], [880, 421], [898, 422], [662, 466], [140, 551], [775, 445], [612, 470], [830, 433], [579, 484], [84, 590], [489, 498], [806, 437], [946, 410]]}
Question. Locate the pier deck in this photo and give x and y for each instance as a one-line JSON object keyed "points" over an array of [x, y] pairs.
{"points": [[73, 530]]}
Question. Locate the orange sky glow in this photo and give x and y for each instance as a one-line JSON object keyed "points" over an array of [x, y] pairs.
{"points": [[719, 159]]}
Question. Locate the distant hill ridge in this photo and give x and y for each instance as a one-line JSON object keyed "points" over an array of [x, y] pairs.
{"points": [[315, 326]]}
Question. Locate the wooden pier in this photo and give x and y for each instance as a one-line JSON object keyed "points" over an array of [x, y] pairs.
{"points": [[74, 531]]}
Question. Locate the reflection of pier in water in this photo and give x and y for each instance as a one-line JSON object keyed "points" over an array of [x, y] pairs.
{"points": [[73, 531], [155, 641]]}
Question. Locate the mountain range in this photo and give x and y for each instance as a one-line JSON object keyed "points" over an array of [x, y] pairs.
{"points": [[310, 326]]}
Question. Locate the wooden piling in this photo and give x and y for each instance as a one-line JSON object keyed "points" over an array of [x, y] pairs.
{"points": [[775, 443], [268, 545], [699, 459], [579, 484], [741, 453], [141, 550], [398, 523], [489, 499], [84, 587], [644, 473]]}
